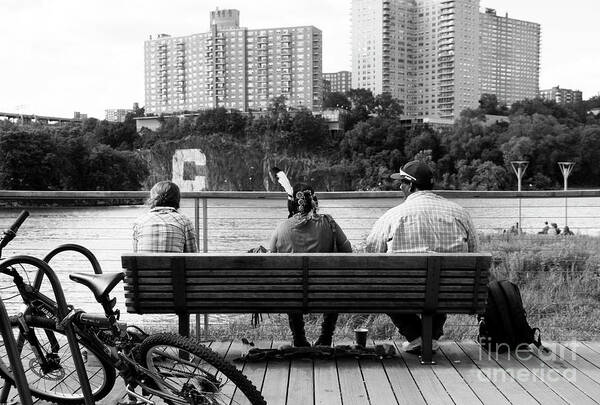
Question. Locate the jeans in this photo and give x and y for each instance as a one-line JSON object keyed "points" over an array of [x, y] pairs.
{"points": [[409, 325]]}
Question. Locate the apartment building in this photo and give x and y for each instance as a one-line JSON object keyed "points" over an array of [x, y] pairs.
{"points": [[561, 96], [339, 82], [422, 52], [116, 114], [509, 62], [233, 67], [438, 56]]}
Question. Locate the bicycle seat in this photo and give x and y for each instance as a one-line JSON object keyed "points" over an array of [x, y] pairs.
{"points": [[100, 284]]}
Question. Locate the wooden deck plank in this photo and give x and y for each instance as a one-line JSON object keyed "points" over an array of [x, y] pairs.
{"points": [[582, 356], [526, 377], [564, 362], [301, 386], [455, 385], [401, 381], [255, 371], [275, 385], [494, 373], [487, 392], [594, 345], [352, 387], [431, 388], [592, 352], [327, 385], [552, 377], [376, 382]]}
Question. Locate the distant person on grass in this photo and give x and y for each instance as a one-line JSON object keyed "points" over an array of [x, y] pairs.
{"points": [[555, 228], [567, 231], [423, 222], [305, 231], [545, 229], [164, 228]]}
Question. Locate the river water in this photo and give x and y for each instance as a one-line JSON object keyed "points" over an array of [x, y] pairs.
{"points": [[236, 225]]}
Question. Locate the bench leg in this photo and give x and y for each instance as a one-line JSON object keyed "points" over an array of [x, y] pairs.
{"points": [[184, 324], [427, 336]]}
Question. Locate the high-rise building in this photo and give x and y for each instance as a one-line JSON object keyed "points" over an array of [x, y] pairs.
{"points": [[233, 67], [438, 56], [509, 61], [561, 96], [339, 82], [422, 52]]}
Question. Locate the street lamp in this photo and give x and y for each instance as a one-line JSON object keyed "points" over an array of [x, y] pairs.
{"points": [[566, 168], [519, 167]]}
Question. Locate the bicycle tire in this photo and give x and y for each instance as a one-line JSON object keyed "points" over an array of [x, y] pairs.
{"points": [[162, 354], [57, 385]]}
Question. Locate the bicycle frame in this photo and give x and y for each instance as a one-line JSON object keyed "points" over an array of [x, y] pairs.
{"points": [[87, 328]]}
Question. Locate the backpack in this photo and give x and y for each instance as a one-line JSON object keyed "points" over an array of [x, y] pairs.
{"points": [[504, 325]]}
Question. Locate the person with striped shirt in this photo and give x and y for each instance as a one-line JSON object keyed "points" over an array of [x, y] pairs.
{"points": [[423, 222]]}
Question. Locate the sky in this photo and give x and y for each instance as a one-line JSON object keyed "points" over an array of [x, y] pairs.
{"points": [[62, 56]]}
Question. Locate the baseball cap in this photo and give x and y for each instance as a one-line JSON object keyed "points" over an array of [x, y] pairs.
{"points": [[416, 172]]}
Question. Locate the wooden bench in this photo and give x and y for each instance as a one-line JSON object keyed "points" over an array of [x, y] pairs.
{"points": [[427, 283]]}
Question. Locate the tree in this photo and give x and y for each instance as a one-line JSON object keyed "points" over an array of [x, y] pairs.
{"points": [[336, 100], [28, 160], [385, 106], [362, 105], [488, 104]]}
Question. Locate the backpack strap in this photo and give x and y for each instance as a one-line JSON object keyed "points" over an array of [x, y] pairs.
{"points": [[331, 223]]}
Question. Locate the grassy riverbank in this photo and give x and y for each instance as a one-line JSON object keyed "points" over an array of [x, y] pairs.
{"points": [[559, 278]]}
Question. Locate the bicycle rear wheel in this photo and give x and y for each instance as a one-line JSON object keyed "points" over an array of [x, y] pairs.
{"points": [[190, 373], [58, 382]]}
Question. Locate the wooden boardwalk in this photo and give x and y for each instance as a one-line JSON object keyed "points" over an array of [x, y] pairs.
{"points": [[464, 374]]}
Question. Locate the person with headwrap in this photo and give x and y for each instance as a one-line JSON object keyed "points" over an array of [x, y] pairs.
{"points": [[306, 231], [164, 228]]}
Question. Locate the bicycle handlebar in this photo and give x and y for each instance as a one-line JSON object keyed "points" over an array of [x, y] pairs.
{"points": [[11, 232], [19, 221]]}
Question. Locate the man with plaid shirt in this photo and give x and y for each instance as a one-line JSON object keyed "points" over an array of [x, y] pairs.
{"points": [[424, 222], [164, 228]]}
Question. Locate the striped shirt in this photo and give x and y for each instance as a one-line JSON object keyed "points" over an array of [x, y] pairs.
{"points": [[424, 222], [164, 229]]}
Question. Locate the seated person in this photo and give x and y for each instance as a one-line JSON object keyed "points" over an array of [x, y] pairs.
{"points": [[567, 231], [305, 231], [423, 222], [164, 228]]}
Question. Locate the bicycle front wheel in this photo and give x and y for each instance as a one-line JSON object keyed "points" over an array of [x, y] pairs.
{"points": [[56, 380], [187, 372]]}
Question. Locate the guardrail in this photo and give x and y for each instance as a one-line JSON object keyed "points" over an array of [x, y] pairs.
{"points": [[493, 211]]}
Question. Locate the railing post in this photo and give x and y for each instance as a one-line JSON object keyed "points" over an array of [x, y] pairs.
{"points": [[204, 225], [205, 246], [197, 228], [197, 219]]}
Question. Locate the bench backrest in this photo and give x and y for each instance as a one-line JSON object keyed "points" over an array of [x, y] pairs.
{"points": [[317, 282]]}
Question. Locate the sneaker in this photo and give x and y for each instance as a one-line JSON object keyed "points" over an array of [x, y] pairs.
{"points": [[412, 347]]}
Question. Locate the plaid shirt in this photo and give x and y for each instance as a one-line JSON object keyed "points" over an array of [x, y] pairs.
{"points": [[164, 229], [424, 222]]}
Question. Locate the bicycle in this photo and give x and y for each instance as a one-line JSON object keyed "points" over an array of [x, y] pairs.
{"points": [[176, 369]]}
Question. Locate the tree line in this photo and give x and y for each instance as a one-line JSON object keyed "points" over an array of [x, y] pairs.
{"points": [[241, 148]]}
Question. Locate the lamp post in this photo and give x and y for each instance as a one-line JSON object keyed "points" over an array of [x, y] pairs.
{"points": [[566, 168], [519, 167]]}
